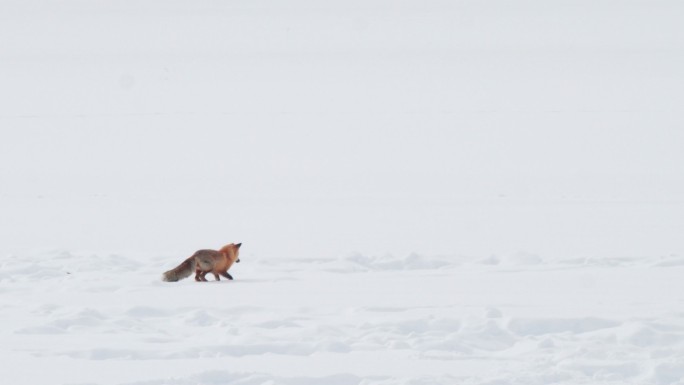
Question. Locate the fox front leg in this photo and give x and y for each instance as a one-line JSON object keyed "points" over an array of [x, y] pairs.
{"points": [[225, 274], [217, 277]]}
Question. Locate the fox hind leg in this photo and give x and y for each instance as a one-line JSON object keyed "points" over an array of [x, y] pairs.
{"points": [[200, 276], [217, 276]]}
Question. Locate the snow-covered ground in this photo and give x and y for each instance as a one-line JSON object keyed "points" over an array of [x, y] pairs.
{"points": [[428, 192], [108, 319]]}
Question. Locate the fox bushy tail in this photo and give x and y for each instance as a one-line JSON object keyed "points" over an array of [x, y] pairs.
{"points": [[184, 270]]}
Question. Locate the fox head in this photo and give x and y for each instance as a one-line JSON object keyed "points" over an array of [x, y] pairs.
{"points": [[232, 250]]}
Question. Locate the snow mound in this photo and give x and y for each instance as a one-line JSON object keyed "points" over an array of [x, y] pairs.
{"points": [[359, 262]]}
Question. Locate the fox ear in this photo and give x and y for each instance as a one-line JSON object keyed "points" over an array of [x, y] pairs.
{"points": [[238, 245]]}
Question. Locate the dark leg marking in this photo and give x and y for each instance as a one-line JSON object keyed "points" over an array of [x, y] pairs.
{"points": [[225, 274]]}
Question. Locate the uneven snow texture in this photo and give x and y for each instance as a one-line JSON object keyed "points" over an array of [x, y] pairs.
{"points": [[95, 319], [530, 151]]}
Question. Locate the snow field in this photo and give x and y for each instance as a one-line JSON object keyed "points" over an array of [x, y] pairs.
{"points": [[308, 129], [518, 319]]}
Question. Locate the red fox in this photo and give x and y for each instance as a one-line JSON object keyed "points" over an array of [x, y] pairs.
{"points": [[204, 262]]}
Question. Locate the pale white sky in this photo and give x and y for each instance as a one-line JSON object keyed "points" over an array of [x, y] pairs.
{"points": [[317, 130]]}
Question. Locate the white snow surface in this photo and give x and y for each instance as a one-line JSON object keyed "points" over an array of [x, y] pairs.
{"points": [[81, 318], [427, 192]]}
